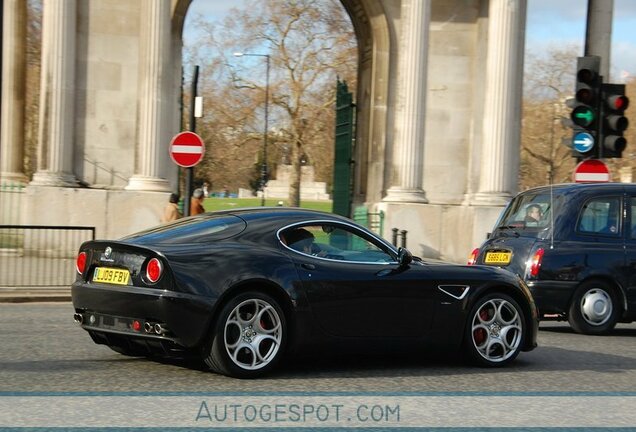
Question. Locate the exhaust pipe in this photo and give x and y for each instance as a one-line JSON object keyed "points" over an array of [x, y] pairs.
{"points": [[148, 327], [78, 318], [161, 329]]}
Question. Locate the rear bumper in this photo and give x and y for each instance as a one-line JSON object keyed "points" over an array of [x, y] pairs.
{"points": [[109, 314], [552, 297]]}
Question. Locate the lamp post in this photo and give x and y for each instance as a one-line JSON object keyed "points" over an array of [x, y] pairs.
{"points": [[264, 163]]}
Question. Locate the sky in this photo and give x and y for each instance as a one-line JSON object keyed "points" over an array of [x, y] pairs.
{"points": [[549, 23], [562, 22]]}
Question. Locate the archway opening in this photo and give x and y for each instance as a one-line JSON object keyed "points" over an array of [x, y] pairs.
{"points": [[268, 73]]}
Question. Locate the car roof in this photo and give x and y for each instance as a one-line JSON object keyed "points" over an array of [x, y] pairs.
{"points": [[250, 213], [574, 187]]}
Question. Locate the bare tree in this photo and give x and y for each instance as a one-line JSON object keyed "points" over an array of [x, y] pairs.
{"points": [[549, 82], [32, 97], [309, 43]]}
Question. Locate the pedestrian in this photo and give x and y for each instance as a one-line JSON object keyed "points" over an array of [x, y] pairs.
{"points": [[196, 204], [171, 211]]}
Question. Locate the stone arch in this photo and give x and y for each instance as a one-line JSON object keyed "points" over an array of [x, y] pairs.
{"points": [[376, 40]]}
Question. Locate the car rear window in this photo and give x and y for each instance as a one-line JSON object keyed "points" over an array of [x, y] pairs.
{"points": [[200, 229], [530, 213]]}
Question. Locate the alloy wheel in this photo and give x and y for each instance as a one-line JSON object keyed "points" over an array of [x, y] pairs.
{"points": [[497, 330], [253, 334]]}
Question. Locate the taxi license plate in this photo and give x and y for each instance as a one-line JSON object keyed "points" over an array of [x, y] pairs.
{"points": [[111, 275], [497, 257]]}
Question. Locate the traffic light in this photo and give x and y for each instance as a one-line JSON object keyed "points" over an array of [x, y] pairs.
{"points": [[585, 108], [613, 122]]}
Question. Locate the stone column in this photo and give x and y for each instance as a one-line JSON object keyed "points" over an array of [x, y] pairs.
{"points": [[13, 91], [408, 147], [57, 95], [154, 79], [502, 110]]}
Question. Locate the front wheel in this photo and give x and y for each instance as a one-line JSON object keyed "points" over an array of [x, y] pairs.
{"points": [[593, 309], [495, 330], [249, 336]]}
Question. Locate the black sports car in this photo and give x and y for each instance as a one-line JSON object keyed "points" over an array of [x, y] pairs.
{"points": [[241, 289]]}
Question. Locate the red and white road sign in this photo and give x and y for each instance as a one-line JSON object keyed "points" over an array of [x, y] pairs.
{"points": [[591, 170], [187, 149]]}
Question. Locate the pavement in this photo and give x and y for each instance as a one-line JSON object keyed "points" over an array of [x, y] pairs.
{"points": [[35, 294]]}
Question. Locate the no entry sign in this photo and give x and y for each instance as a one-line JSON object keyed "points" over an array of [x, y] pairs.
{"points": [[187, 149], [591, 170]]}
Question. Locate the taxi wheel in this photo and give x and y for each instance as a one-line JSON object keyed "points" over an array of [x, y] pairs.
{"points": [[594, 309], [249, 336]]}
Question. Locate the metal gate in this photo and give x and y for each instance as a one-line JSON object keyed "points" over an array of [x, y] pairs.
{"points": [[343, 163], [40, 256]]}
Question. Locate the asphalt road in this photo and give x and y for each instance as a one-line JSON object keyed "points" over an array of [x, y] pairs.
{"points": [[43, 350]]}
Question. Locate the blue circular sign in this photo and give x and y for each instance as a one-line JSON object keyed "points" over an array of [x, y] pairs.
{"points": [[583, 142]]}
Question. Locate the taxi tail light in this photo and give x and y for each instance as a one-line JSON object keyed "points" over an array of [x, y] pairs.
{"points": [[80, 263], [472, 259], [535, 262], [154, 269]]}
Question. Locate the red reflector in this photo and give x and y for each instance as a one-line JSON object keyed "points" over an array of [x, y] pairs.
{"points": [[80, 264], [535, 264], [154, 270], [136, 325], [472, 259]]}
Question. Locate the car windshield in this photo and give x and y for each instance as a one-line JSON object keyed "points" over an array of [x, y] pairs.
{"points": [[528, 214]]}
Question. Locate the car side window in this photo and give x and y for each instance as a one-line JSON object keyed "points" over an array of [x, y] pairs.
{"points": [[632, 225], [335, 242], [600, 216]]}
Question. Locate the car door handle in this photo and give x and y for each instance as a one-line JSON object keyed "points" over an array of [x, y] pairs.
{"points": [[308, 266]]}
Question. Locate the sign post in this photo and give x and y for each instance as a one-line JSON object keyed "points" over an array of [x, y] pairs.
{"points": [[591, 171]]}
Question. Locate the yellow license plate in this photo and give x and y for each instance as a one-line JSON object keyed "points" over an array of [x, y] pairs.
{"points": [[111, 275], [497, 257]]}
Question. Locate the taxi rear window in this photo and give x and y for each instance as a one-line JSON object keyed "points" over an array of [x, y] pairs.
{"points": [[529, 212]]}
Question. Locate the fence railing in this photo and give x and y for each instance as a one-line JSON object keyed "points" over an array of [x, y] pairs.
{"points": [[40, 256], [373, 221], [11, 202]]}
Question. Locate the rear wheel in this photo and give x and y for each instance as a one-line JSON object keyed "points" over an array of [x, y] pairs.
{"points": [[594, 309], [495, 330], [249, 336]]}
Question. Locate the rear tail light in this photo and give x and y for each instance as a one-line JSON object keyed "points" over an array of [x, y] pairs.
{"points": [[154, 269], [80, 263], [472, 259], [535, 262]]}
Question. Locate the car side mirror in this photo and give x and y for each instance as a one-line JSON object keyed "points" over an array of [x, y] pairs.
{"points": [[404, 257]]}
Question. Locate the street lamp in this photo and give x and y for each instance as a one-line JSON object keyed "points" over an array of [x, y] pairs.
{"points": [[264, 164]]}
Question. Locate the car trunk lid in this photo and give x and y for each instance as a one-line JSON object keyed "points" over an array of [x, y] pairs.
{"points": [[511, 253]]}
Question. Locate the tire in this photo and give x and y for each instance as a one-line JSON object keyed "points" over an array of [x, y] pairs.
{"points": [[240, 346], [594, 309], [495, 331]]}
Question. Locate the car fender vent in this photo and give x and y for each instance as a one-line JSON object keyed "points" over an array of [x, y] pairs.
{"points": [[456, 291]]}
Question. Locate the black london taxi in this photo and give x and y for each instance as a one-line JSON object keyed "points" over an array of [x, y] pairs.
{"points": [[575, 247]]}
